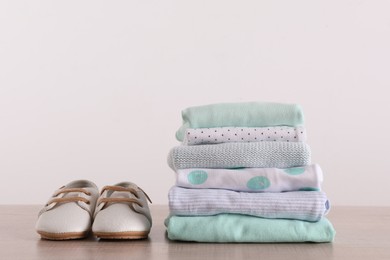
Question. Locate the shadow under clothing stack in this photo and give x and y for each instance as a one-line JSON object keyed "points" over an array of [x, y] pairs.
{"points": [[243, 174]]}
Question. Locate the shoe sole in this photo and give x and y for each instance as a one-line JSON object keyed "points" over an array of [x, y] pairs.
{"points": [[122, 235], [63, 236]]}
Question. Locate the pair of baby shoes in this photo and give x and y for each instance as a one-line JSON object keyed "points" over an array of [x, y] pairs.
{"points": [[120, 211]]}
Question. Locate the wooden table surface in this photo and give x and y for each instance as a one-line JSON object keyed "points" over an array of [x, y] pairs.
{"points": [[362, 233]]}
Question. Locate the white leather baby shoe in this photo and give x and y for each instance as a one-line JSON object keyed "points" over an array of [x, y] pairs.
{"points": [[69, 212], [122, 212]]}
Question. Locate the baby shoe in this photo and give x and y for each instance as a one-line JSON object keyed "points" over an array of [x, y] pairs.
{"points": [[122, 212], [68, 214]]}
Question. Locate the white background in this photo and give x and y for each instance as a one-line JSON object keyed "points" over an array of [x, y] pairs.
{"points": [[94, 89]]}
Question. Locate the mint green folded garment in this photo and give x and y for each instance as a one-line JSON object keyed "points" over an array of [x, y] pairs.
{"points": [[251, 114], [226, 228]]}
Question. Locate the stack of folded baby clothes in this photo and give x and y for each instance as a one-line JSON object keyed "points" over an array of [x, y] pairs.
{"points": [[243, 174]]}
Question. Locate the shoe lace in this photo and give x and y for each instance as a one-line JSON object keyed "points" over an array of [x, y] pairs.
{"points": [[70, 199], [123, 200]]}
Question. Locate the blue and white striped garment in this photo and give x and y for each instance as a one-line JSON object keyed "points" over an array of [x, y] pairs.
{"points": [[300, 205]]}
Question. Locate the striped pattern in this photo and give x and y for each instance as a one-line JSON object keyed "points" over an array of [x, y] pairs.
{"points": [[240, 155], [301, 205]]}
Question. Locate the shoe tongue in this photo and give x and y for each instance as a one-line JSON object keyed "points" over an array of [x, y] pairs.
{"points": [[124, 194], [127, 185], [81, 184], [78, 193]]}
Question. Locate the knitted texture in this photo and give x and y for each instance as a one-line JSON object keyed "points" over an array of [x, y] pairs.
{"points": [[301, 205], [249, 114], [240, 155]]}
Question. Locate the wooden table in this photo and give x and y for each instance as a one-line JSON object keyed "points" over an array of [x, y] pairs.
{"points": [[362, 233]]}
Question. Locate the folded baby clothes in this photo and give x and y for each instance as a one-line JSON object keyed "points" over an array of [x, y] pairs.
{"points": [[240, 155], [302, 205], [216, 135], [305, 178], [226, 228], [243, 174], [250, 114]]}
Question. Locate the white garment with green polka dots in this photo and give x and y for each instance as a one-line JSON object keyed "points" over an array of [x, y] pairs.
{"points": [[218, 135], [305, 178]]}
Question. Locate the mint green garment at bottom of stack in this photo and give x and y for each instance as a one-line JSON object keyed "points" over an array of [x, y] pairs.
{"points": [[226, 228]]}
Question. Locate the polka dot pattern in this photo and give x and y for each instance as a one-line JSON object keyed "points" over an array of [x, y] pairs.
{"points": [[244, 134], [197, 177], [308, 189], [258, 183], [251, 179], [295, 171]]}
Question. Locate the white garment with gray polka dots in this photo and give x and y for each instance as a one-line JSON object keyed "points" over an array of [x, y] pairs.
{"points": [[216, 135]]}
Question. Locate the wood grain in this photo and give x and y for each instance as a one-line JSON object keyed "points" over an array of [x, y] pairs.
{"points": [[362, 233]]}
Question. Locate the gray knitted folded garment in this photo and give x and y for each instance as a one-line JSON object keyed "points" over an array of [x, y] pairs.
{"points": [[240, 155]]}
